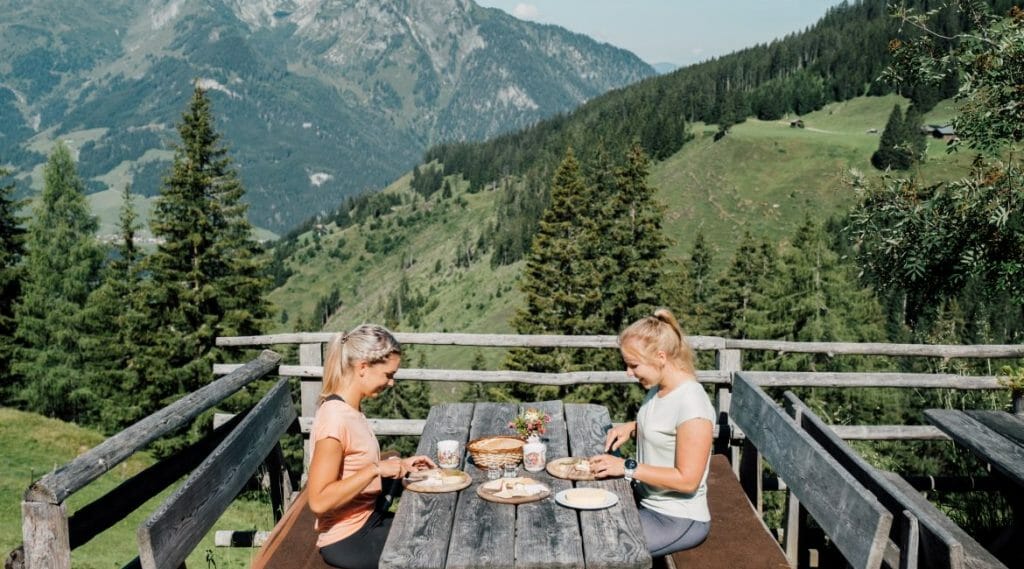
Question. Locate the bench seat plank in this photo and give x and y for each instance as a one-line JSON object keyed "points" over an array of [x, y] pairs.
{"points": [[738, 538]]}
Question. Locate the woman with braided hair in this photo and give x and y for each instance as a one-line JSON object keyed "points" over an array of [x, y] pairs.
{"points": [[346, 471], [673, 430]]}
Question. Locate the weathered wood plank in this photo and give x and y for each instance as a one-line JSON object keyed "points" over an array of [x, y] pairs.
{"points": [[170, 534], [1007, 424], [58, 485], [44, 529], [486, 376], [871, 379], [698, 343], [975, 556], [483, 531], [888, 432], [446, 339], [1002, 453], [421, 529], [843, 508], [548, 535], [937, 547], [99, 515], [613, 537]]}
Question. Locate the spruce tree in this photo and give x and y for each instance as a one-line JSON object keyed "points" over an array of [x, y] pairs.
{"points": [[12, 248], [636, 279], [737, 308], [62, 267], [205, 279], [112, 321], [561, 284], [892, 153], [695, 310]]}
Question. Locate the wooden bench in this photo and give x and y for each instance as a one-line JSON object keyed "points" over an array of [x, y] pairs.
{"points": [[738, 538]]}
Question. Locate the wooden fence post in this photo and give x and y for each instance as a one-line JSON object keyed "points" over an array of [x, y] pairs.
{"points": [[309, 355], [728, 361], [45, 535]]}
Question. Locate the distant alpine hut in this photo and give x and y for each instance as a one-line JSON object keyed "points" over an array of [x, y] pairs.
{"points": [[944, 132], [796, 123]]}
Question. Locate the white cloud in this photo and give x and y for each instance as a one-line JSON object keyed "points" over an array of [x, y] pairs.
{"points": [[526, 12], [697, 50]]}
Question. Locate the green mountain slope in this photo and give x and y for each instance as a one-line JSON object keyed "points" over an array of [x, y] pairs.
{"points": [[763, 177]]}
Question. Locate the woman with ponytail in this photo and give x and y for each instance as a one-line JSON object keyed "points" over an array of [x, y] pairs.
{"points": [[673, 431], [346, 471]]}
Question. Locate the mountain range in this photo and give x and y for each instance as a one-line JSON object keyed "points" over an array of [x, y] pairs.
{"points": [[317, 99]]}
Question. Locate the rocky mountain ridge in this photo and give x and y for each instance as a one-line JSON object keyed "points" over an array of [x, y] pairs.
{"points": [[318, 99]]}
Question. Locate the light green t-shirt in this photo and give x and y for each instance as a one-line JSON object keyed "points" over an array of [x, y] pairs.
{"points": [[656, 424]]}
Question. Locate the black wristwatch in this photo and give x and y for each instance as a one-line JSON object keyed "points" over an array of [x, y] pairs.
{"points": [[629, 469]]}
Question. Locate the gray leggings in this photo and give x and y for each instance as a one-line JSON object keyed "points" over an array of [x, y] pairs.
{"points": [[668, 534]]}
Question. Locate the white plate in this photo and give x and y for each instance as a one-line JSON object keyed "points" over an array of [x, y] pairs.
{"points": [[610, 500]]}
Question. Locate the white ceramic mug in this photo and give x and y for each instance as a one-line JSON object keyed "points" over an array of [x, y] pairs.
{"points": [[448, 454], [534, 456]]}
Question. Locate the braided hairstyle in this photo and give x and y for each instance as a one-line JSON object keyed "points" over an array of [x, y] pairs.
{"points": [[660, 332], [370, 343]]}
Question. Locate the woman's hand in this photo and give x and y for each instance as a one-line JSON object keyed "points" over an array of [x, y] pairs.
{"points": [[616, 436], [416, 463], [606, 465]]}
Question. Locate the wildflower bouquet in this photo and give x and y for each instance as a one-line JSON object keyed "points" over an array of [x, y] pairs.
{"points": [[530, 422]]}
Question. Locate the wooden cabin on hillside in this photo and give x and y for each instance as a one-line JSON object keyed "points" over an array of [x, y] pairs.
{"points": [[839, 510]]}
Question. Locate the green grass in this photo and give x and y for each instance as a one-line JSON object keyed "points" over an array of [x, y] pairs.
{"points": [[31, 445]]}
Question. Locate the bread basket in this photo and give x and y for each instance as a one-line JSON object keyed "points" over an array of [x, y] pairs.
{"points": [[496, 451]]}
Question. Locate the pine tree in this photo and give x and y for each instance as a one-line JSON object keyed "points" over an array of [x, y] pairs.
{"points": [[892, 151], [694, 312], [62, 268], [112, 320], [737, 309], [205, 278], [561, 283], [635, 242], [12, 249]]}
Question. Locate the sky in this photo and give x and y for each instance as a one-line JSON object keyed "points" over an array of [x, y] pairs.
{"points": [[673, 31]]}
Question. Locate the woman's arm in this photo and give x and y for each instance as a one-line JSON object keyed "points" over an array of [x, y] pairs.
{"points": [[326, 489], [693, 446]]}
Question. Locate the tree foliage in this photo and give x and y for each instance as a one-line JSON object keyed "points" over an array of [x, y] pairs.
{"points": [[205, 276], [62, 267], [929, 243], [12, 248]]}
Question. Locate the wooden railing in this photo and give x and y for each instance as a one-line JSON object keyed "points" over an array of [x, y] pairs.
{"points": [[49, 535]]}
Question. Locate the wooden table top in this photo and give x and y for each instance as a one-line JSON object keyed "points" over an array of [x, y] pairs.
{"points": [[460, 530], [995, 436]]}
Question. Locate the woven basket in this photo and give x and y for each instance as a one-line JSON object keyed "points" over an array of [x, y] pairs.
{"points": [[484, 457]]}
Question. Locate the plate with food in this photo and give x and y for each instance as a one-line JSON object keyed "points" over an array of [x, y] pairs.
{"points": [[437, 480], [586, 498], [570, 468], [519, 490]]}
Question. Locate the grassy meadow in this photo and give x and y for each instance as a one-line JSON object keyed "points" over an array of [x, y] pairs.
{"points": [[32, 445]]}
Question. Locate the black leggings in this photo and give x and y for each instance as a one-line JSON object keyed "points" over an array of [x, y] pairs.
{"points": [[362, 549]]}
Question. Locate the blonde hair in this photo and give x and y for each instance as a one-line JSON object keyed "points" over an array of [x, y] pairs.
{"points": [[368, 343], [660, 332]]}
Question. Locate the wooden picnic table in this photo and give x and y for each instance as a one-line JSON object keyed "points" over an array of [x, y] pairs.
{"points": [[997, 437], [459, 530]]}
